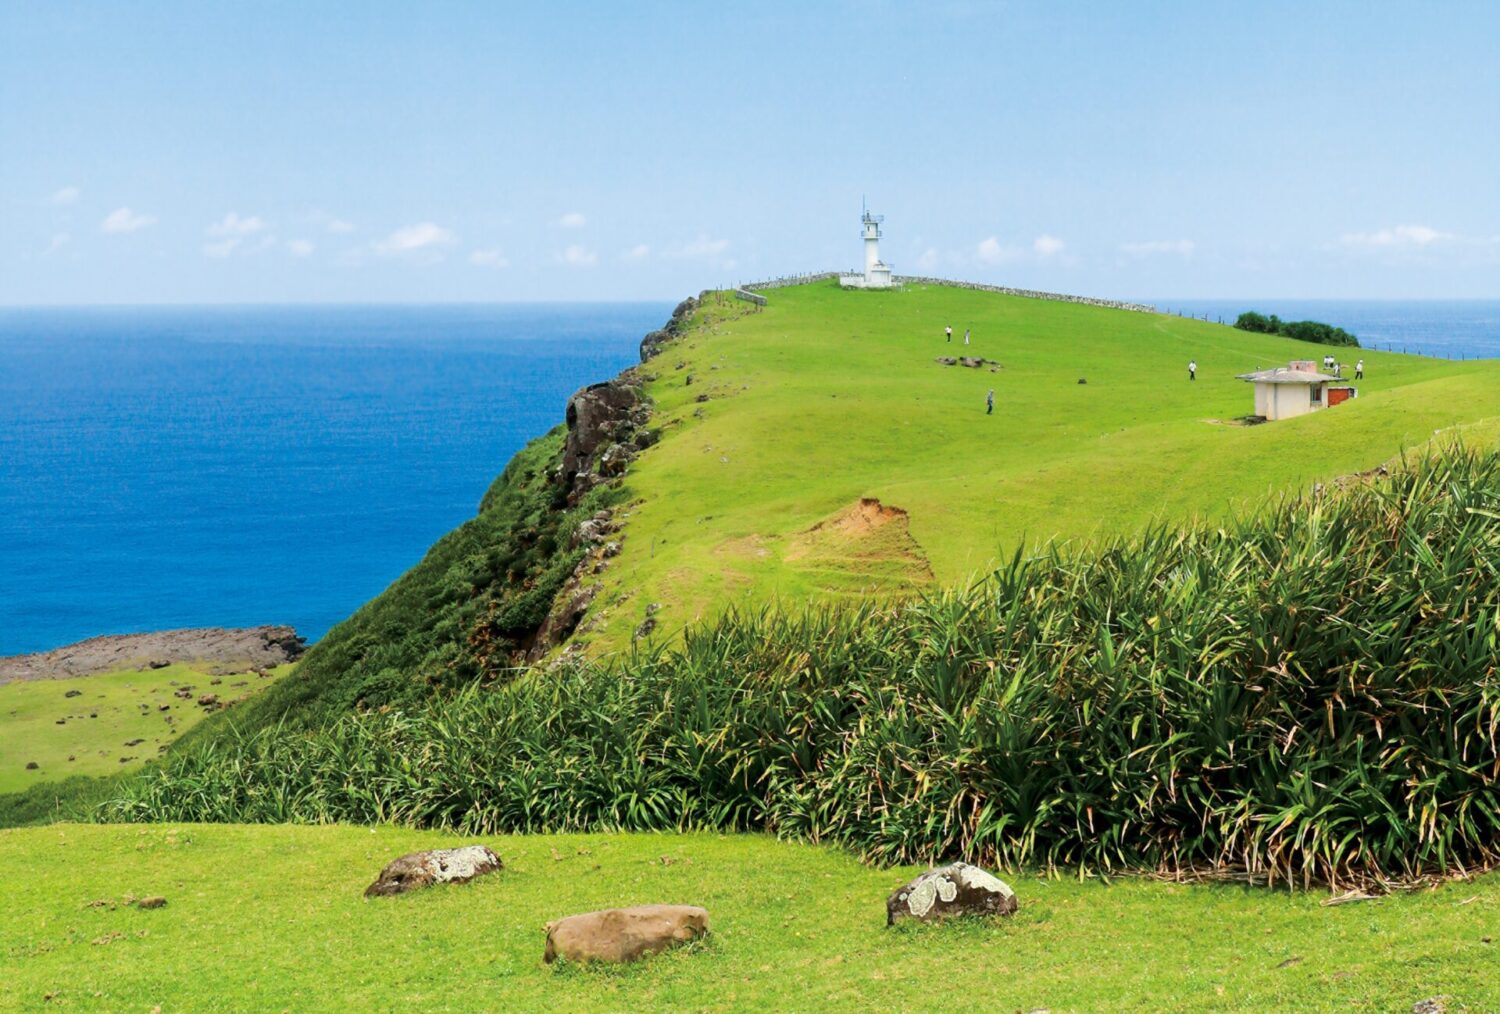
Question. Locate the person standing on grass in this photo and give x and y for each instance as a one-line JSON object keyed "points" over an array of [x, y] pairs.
{"points": [[966, 336], [1338, 370], [948, 331], [1192, 369], [989, 402], [1359, 370]]}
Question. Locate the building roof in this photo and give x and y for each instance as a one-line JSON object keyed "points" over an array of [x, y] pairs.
{"points": [[1287, 375]]}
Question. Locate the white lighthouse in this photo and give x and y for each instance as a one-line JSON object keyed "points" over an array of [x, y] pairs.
{"points": [[877, 274]]}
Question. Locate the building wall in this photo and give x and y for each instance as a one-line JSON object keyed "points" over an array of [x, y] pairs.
{"points": [[1284, 401]]}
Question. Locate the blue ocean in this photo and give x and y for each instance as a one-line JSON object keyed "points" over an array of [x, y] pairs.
{"points": [[230, 466]]}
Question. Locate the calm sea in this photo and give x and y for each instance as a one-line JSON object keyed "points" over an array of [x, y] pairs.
{"points": [[241, 465], [233, 466]]}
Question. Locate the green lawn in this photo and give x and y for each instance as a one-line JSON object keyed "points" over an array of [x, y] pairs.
{"points": [[826, 396], [94, 733], [272, 918]]}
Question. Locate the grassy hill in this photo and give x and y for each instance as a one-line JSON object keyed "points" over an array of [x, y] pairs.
{"points": [[107, 723], [826, 397], [271, 918]]}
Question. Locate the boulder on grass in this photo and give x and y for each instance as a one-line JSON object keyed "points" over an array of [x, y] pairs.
{"points": [[624, 934], [959, 889], [435, 866]]}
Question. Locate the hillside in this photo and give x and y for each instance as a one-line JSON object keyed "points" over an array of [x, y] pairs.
{"points": [[826, 397]]}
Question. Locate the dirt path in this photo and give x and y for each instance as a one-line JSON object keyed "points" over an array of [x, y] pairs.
{"points": [[216, 649]]}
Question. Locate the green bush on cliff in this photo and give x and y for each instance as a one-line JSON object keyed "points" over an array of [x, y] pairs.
{"points": [[1309, 695], [1302, 330]]}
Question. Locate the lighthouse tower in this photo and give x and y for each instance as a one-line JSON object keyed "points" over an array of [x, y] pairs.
{"points": [[877, 274]]}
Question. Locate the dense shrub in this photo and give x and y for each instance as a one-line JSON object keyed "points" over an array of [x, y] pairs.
{"points": [[1302, 330], [1310, 695]]}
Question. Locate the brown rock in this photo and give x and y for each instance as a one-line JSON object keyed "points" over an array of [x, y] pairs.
{"points": [[959, 889], [435, 866], [153, 901], [624, 934]]}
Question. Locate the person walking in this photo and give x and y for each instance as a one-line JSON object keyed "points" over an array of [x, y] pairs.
{"points": [[989, 402], [1338, 370], [1359, 370], [948, 331], [966, 336], [1192, 369]]}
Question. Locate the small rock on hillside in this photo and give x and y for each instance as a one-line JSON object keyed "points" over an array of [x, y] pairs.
{"points": [[959, 889], [435, 866], [624, 934]]}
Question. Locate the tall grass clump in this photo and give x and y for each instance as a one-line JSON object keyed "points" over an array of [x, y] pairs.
{"points": [[1309, 695]]}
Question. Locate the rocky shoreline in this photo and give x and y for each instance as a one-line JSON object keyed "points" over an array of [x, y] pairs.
{"points": [[215, 649]]}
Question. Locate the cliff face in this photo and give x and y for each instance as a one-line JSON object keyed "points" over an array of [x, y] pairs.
{"points": [[508, 587]]}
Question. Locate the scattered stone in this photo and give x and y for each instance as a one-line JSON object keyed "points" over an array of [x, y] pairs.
{"points": [[958, 889], [73, 693], [610, 549], [151, 901], [435, 866], [1082, 380], [687, 381], [701, 398], [947, 360], [33, 766], [624, 934], [208, 700], [135, 742], [164, 707], [62, 721], [71, 757], [157, 663], [215, 681], [1431, 1005]]}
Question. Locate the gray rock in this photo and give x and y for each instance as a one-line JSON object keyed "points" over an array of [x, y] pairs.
{"points": [[435, 866], [957, 889]]}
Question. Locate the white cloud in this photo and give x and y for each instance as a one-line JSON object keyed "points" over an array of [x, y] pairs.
{"points": [[231, 231], [299, 247], [573, 220], [639, 252], [577, 256], [927, 260], [992, 251], [233, 225], [490, 258], [1399, 237], [410, 238], [339, 225], [1047, 246], [124, 220], [1154, 247], [59, 241], [702, 248], [66, 196]]}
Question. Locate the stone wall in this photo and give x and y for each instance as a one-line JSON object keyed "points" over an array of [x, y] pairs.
{"points": [[749, 297], [821, 276], [1113, 304]]}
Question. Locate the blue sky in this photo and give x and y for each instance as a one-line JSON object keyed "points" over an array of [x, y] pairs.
{"points": [[287, 152]]}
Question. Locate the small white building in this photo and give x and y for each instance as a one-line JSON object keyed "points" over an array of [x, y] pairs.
{"points": [[1295, 389], [877, 273]]}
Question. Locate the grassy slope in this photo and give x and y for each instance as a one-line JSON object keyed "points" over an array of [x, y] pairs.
{"points": [[112, 709], [272, 918], [826, 396]]}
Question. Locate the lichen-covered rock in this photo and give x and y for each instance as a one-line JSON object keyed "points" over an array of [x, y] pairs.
{"points": [[595, 417], [959, 889], [624, 934], [435, 866], [652, 343]]}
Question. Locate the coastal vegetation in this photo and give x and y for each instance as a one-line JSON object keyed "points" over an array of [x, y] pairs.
{"points": [[1302, 330], [272, 918], [1307, 695]]}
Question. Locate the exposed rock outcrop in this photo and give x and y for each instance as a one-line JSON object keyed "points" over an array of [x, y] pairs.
{"points": [[958, 889], [603, 421], [435, 866], [217, 649], [652, 343], [624, 934]]}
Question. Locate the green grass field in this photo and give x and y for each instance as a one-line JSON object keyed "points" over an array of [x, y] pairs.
{"points": [[272, 918], [115, 723], [827, 396]]}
